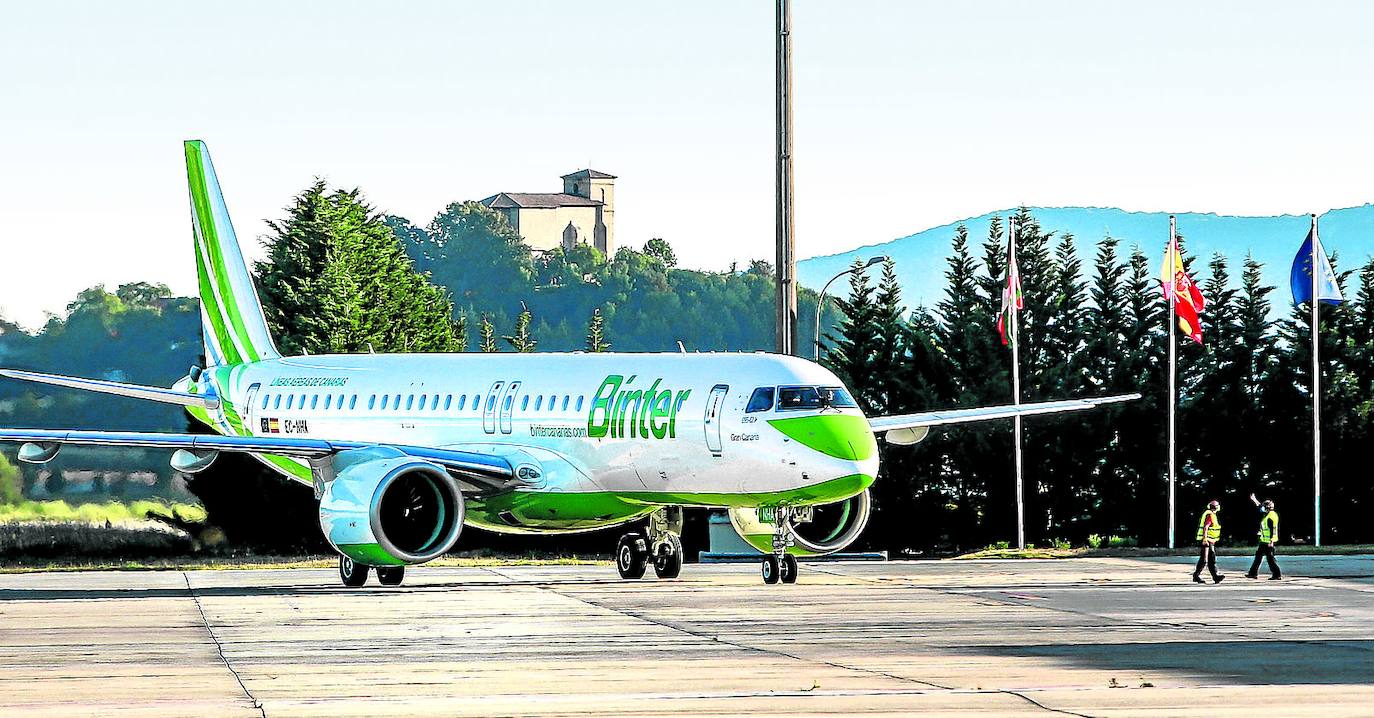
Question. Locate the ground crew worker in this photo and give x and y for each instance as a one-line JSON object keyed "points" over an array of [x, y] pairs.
{"points": [[1208, 533], [1268, 536]]}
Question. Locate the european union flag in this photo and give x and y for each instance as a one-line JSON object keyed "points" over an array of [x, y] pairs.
{"points": [[1328, 290]]}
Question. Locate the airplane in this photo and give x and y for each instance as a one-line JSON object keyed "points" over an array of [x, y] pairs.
{"points": [[404, 450]]}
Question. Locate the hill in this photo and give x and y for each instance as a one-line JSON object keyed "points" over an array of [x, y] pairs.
{"points": [[1346, 234]]}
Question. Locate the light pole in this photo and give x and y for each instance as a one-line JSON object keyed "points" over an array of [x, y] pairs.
{"points": [[820, 300]]}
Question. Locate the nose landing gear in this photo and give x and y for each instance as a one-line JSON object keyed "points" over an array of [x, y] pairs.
{"points": [[781, 565]]}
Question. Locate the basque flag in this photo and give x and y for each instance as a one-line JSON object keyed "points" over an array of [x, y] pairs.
{"points": [[1328, 289]]}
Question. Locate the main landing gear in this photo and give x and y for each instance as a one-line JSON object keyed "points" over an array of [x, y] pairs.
{"points": [[354, 574], [780, 565], [662, 546]]}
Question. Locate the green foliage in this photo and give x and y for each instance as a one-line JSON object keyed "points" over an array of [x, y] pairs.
{"points": [[486, 333], [521, 341], [11, 484], [596, 338], [659, 249], [94, 512], [337, 280]]}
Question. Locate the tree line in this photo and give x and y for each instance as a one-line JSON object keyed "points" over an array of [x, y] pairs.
{"points": [[1244, 411]]}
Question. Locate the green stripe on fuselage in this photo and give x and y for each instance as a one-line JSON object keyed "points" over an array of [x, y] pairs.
{"points": [[843, 436]]}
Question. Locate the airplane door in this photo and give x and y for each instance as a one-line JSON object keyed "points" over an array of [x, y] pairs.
{"points": [[491, 407], [250, 409], [714, 404], [508, 406]]}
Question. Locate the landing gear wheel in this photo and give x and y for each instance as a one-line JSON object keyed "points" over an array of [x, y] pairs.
{"points": [[391, 575], [630, 559], [668, 562], [353, 573], [787, 568], [770, 569]]}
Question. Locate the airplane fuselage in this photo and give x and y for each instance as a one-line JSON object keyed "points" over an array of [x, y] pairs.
{"points": [[594, 439]]}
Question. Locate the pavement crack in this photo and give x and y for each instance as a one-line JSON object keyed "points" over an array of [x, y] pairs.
{"points": [[219, 647]]}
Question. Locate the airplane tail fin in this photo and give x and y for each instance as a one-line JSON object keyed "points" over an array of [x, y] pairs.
{"points": [[232, 323]]}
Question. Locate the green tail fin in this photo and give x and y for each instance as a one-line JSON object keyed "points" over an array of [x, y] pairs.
{"points": [[234, 328]]}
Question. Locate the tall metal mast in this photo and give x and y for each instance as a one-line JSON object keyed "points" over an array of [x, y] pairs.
{"points": [[786, 246]]}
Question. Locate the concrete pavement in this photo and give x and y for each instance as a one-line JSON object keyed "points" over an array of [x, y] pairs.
{"points": [[1090, 637]]}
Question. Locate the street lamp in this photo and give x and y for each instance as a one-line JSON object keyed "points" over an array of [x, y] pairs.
{"points": [[820, 300]]}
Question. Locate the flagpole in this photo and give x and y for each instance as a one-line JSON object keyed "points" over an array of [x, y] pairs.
{"points": [[1016, 395], [1316, 395], [1173, 391]]}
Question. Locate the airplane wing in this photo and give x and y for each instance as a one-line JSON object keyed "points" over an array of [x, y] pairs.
{"points": [[481, 465], [911, 428], [152, 393]]}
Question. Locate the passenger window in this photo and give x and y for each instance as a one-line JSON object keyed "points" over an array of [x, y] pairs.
{"points": [[266, 398], [565, 402], [525, 402], [301, 402], [423, 398], [510, 401], [579, 403], [314, 401], [539, 403], [396, 403], [290, 399], [448, 401], [327, 398], [338, 403], [372, 402], [352, 402], [411, 400], [491, 401], [762, 400], [462, 401], [385, 399], [276, 402]]}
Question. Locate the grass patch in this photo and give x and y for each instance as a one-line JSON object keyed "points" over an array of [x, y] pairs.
{"points": [[1001, 551], [114, 512]]}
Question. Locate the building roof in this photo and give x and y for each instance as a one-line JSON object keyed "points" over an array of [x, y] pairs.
{"points": [[593, 174], [537, 200]]}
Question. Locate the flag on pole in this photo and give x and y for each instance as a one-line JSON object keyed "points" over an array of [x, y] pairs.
{"points": [[1012, 299], [1188, 299], [1328, 289]]}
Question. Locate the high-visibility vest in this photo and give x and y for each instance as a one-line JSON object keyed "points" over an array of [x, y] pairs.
{"points": [[1213, 531], [1265, 536]]}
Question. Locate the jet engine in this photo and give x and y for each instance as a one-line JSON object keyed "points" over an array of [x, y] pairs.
{"points": [[386, 508], [816, 530]]}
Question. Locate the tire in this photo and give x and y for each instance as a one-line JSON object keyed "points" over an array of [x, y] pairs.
{"points": [[629, 558], [668, 562], [391, 575], [787, 570], [770, 569], [351, 572]]}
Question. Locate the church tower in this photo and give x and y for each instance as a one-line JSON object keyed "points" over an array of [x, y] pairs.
{"points": [[598, 187]]}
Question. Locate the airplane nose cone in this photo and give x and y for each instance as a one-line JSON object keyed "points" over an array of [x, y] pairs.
{"points": [[843, 436]]}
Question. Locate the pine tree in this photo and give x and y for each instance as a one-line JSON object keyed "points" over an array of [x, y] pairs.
{"points": [[460, 333], [336, 279], [891, 395], [521, 341], [852, 354], [486, 334], [596, 339]]}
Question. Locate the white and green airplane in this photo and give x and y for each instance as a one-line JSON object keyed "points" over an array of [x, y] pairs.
{"points": [[403, 450]]}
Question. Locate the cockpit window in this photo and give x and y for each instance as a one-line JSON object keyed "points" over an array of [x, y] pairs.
{"points": [[837, 397], [798, 397], [762, 400], [811, 397]]}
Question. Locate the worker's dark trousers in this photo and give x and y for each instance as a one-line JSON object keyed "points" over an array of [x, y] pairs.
{"points": [[1265, 551], [1207, 558]]}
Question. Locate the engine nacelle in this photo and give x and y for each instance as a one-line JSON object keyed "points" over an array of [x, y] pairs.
{"points": [[386, 508], [830, 528]]}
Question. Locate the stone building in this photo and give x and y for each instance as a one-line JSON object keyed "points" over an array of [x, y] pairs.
{"points": [[584, 212]]}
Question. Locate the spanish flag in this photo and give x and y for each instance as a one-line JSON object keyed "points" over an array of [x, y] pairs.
{"points": [[1188, 300]]}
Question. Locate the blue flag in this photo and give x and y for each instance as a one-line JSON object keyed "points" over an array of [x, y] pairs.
{"points": [[1328, 290]]}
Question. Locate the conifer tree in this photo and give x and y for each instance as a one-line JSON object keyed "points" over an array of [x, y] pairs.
{"points": [[486, 335], [337, 280], [851, 355], [460, 333], [596, 338], [521, 340]]}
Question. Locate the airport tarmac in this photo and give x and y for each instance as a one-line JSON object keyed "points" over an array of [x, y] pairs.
{"points": [[1083, 637]]}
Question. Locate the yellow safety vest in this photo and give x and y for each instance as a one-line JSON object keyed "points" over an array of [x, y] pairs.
{"points": [[1265, 536], [1213, 531]]}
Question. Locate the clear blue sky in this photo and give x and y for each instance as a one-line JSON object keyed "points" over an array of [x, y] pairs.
{"points": [[908, 115]]}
